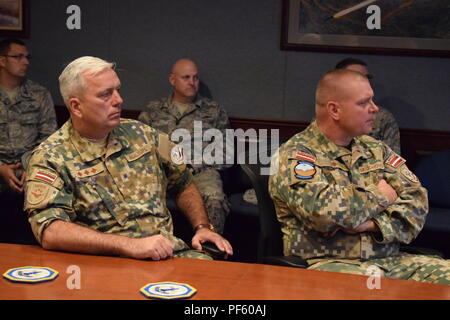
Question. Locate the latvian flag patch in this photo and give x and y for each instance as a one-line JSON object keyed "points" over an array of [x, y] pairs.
{"points": [[395, 161], [44, 175], [305, 157]]}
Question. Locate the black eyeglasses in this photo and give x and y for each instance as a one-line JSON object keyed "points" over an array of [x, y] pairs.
{"points": [[369, 76], [18, 57]]}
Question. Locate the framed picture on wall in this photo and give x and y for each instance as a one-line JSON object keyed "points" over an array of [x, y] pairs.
{"points": [[14, 18], [405, 27]]}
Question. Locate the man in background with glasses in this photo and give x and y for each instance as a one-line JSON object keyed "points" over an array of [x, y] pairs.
{"points": [[27, 117], [27, 114], [384, 127]]}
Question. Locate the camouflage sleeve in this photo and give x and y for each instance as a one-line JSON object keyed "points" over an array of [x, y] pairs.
{"points": [[390, 132], [144, 117], [310, 191], [402, 220], [223, 123], [172, 158], [47, 118], [46, 197]]}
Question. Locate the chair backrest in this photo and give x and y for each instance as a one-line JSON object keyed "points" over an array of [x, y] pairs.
{"points": [[270, 241], [434, 174]]}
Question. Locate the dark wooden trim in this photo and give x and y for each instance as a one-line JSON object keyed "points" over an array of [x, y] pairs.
{"points": [[415, 143]]}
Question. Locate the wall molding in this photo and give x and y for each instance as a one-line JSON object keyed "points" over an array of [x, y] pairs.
{"points": [[415, 143]]}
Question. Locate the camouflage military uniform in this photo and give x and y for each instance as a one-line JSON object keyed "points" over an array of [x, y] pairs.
{"points": [[119, 190], [320, 187], [165, 116], [385, 128], [24, 123]]}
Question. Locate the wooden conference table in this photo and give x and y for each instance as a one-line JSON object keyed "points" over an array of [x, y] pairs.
{"points": [[121, 278]]}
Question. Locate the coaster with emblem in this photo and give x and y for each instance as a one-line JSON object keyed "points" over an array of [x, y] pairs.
{"points": [[31, 274], [168, 290]]}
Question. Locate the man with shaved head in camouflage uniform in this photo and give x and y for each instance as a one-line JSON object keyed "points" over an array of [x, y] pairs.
{"points": [[345, 200], [179, 111], [98, 185]]}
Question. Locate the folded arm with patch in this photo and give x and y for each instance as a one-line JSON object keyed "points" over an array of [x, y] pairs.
{"points": [[321, 203], [402, 220]]}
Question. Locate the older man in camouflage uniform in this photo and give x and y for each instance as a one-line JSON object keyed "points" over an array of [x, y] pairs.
{"points": [[384, 127], [98, 185], [182, 110], [27, 114], [345, 200]]}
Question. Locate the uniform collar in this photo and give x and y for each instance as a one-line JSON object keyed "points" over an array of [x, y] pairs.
{"points": [[24, 91], [89, 151], [358, 149], [173, 110]]}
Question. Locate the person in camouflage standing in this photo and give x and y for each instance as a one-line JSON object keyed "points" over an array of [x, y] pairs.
{"points": [[346, 201], [181, 110], [384, 127], [27, 114], [98, 185]]}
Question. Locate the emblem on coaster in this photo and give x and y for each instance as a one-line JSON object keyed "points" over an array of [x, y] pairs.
{"points": [[168, 290], [31, 274]]}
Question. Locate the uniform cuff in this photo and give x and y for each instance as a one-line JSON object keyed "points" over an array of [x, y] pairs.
{"points": [[384, 224]]}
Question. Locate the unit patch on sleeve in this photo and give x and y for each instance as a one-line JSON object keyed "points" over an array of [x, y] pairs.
{"points": [[304, 170], [409, 175]]}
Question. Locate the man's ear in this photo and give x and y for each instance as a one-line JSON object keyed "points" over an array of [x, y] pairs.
{"points": [[334, 110], [172, 79], [74, 106], [2, 61]]}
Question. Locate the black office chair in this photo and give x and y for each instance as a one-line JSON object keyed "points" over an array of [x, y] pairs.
{"points": [[432, 171], [270, 244]]}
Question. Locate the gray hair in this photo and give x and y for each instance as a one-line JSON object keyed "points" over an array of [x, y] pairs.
{"points": [[71, 80]]}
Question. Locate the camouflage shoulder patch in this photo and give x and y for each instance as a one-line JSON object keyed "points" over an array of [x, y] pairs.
{"points": [[37, 192], [177, 155], [304, 156], [45, 175], [395, 161], [409, 175], [304, 170]]}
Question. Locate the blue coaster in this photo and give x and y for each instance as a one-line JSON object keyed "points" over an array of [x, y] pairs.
{"points": [[31, 274], [168, 290]]}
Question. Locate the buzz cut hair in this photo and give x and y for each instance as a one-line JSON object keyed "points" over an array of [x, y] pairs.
{"points": [[5, 44], [71, 80]]}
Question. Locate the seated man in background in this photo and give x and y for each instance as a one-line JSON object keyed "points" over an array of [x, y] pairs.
{"points": [[98, 185], [27, 114], [27, 117], [384, 127], [345, 200], [179, 111]]}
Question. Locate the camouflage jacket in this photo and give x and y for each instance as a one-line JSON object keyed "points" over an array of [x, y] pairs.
{"points": [[320, 187], [122, 191], [385, 128], [164, 115], [25, 123]]}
